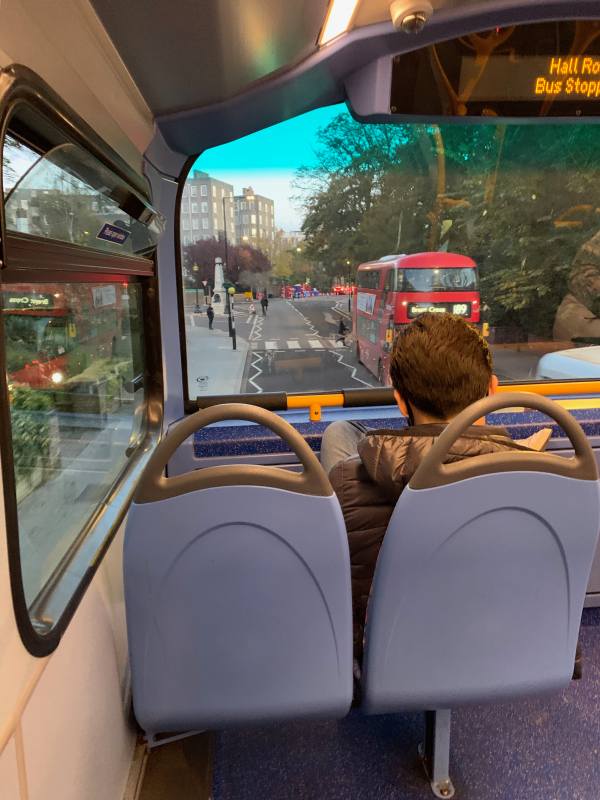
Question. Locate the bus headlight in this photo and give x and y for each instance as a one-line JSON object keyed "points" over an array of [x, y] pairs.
{"points": [[57, 377]]}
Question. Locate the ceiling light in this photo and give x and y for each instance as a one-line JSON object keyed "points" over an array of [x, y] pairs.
{"points": [[338, 19]]}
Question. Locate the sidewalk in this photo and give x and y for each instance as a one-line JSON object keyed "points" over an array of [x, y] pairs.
{"points": [[214, 367]]}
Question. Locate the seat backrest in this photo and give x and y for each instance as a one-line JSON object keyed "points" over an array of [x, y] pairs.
{"points": [[237, 589], [480, 582]]}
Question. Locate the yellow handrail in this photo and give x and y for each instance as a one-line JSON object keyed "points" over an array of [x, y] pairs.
{"points": [[316, 402]]}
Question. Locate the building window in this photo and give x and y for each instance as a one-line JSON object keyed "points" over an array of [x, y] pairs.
{"points": [[194, 191], [205, 224], [194, 208], [253, 219], [214, 191], [203, 190], [195, 223], [204, 207]]}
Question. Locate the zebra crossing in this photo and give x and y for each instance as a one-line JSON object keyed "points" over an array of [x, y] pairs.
{"points": [[298, 343]]}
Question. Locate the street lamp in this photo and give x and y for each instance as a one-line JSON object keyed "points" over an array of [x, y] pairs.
{"points": [[230, 293], [225, 226], [227, 293], [196, 269]]}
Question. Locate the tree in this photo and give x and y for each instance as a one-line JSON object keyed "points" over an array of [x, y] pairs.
{"points": [[519, 199], [237, 259]]}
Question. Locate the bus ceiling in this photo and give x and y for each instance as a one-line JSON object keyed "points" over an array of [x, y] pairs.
{"points": [[258, 64]]}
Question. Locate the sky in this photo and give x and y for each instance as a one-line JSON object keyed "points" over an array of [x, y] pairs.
{"points": [[268, 159]]}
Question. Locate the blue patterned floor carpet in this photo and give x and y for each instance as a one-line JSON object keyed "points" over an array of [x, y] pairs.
{"points": [[545, 748]]}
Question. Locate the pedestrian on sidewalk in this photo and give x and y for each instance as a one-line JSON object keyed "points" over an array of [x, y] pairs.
{"points": [[211, 315], [264, 304], [252, 309], [342, 330]]}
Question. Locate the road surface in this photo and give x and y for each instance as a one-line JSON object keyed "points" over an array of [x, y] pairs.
{"points": [[295, 348]]}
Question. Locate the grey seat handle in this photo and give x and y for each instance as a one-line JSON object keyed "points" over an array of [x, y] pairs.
{"points": [[433, 472], [154, 486]]}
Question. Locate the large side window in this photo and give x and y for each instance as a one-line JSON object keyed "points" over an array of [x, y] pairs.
{"points": [[77, 269]]}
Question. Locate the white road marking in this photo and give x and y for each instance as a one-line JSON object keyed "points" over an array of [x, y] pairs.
{"points": [[293, 344], [316, 343], [256, 359], [256, 330], [270, 345], [340, 358]]}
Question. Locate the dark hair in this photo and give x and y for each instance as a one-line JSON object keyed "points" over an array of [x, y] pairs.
{"points": [[440, 365]]}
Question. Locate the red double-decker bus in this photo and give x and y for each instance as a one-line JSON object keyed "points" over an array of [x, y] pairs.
{"points": [[395, 290], [49, 329]]}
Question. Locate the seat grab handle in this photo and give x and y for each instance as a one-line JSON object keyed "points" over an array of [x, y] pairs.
{"points": [[154, 486], [433, 472]]}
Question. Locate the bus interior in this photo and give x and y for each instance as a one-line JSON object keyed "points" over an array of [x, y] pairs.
{"points": [[215, 220]]}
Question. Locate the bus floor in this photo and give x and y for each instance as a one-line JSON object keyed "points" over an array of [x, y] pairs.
{"points": [[540, 748], [544, 747]]}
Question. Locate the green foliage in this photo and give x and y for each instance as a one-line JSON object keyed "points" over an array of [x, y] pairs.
{"points": [[521, 200], [30, 428]]}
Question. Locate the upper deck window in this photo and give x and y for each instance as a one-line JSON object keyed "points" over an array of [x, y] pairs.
{"points": [[440, 280], [63, 193], [368, 278], [76, 294], [520, 201]]}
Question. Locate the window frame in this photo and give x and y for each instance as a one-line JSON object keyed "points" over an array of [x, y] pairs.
{"points": [[277, 401], [25, 258]]}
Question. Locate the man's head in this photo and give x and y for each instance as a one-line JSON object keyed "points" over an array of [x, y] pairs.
{"points": [[439, 366]]}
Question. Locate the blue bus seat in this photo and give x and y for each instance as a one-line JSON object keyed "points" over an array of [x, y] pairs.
{"points": [[480, 582], [237, 590]]}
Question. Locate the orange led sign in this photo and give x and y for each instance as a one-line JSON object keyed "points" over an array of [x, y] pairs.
{"points": [[570, 77]]}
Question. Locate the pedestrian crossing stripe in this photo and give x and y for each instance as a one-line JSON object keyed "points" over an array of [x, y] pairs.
{"points": [[296, 344]]}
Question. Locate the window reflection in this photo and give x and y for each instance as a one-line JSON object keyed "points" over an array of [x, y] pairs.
{"points": [[72, 351]]}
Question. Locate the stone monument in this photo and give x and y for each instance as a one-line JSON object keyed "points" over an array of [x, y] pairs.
{"points": [[218, 300]]}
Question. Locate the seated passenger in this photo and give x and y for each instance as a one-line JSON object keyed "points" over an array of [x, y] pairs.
{"points": [[439, 366]]}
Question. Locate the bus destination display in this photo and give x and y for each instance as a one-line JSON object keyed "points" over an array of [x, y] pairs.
{"points": [[532, 78], [549, 69]]}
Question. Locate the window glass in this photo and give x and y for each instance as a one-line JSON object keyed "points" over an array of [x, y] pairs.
{"points": [[368, 278], [64, 193], [74, 357], [439, 280], [520, 201]]}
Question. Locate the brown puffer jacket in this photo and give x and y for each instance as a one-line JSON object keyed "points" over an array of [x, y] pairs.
{"points": [[369, 485]]}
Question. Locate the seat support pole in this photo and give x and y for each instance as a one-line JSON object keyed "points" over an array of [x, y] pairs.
{"points": [[436, 752]]}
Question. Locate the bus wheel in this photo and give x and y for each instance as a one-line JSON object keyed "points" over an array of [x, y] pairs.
{"points": [[380, 375], [358, 353]]}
